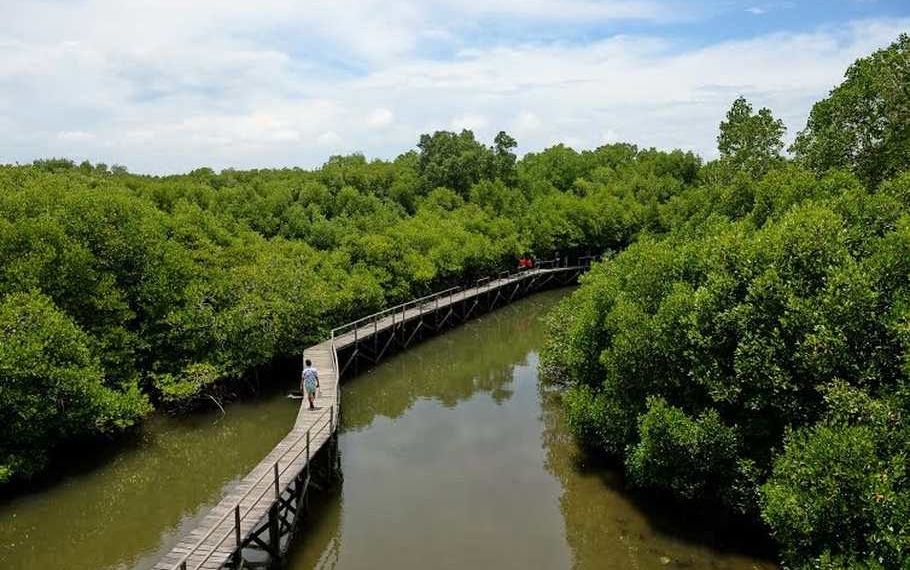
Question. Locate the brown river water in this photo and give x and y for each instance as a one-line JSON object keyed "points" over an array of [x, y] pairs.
{"points": [[453, 455]]}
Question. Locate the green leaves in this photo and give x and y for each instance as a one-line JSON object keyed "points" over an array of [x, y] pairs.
{"points": [[458, 160], [750, 142], [837, 492], [183, 285], [692, 457], [51, 385], [863, 124], [757, 353], [188, 384]]}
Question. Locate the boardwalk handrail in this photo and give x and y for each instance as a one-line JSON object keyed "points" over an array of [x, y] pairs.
{"points": [[182, 565], [402, 307], [483, 282], [319, 425]]}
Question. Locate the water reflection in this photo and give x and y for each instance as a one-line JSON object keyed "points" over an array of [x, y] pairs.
{"points": [[608, 528], [434, 451], [453, 457], [476, 357], [125, 508]]}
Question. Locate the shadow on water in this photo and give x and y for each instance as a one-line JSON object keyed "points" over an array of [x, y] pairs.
{"points": [[640, 529], [82, 457]]}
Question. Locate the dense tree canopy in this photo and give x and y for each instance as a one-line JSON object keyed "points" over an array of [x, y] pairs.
{"points": [[53, 384], [755, 349], [863, 125], [746, 339], [750, 142], [170, 289]]}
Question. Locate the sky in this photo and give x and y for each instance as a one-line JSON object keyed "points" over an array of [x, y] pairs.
{"points": [[167, 86]]}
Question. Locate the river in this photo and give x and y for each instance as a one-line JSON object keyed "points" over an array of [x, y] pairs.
{"points": [[453, 456]]}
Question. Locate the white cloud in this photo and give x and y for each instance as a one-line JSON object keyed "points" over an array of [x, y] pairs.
{"points": [[75, 136], [610, 136], [473, 122], [758, 11], [567, 9], [380, 118], [329, 139], [527, 122], [172, 85]]}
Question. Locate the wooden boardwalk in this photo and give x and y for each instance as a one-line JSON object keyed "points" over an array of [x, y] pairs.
{"points": [[263, 506], [374, 324], [211, 545]]}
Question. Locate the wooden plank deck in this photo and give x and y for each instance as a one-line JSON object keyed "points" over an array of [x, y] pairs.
{"points": [[388, 319], [211, 544]]}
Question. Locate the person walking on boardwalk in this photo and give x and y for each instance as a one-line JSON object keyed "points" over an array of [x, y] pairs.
{"points": [[310, 380]]}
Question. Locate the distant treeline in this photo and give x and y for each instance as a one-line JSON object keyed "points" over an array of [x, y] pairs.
{"points": [[754, 350], [120, 293]]}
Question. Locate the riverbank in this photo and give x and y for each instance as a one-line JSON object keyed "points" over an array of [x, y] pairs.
{"points": [[453, 452], [450, 450]]}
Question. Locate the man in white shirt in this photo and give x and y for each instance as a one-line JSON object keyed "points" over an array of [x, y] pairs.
{"points": [[309, 380]]}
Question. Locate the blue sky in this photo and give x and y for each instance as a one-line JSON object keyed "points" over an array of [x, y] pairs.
{"points": [[170, 85]]}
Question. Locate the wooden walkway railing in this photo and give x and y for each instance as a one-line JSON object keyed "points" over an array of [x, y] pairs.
{"points": [[263, 510], [354, 331]]}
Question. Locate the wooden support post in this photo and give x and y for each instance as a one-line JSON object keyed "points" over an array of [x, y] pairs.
{"points": [[416, 330], [183, 565], [515, 291], [274, 534], [277, 489], [306, 485], [385, 347], [331, 439], [237, 527]]}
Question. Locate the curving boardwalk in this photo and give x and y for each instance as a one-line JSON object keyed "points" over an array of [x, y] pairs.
{"points": [[263, 510], [214, 542]]}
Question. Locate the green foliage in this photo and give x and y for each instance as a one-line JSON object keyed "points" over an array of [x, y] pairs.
{"points": [[190, 382], [740, 321], [457, 160], [750, 142], [182, 285], [863, 124], [598, 421], [51, 385], [752, 342], [692, 457], [840, 490]]}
